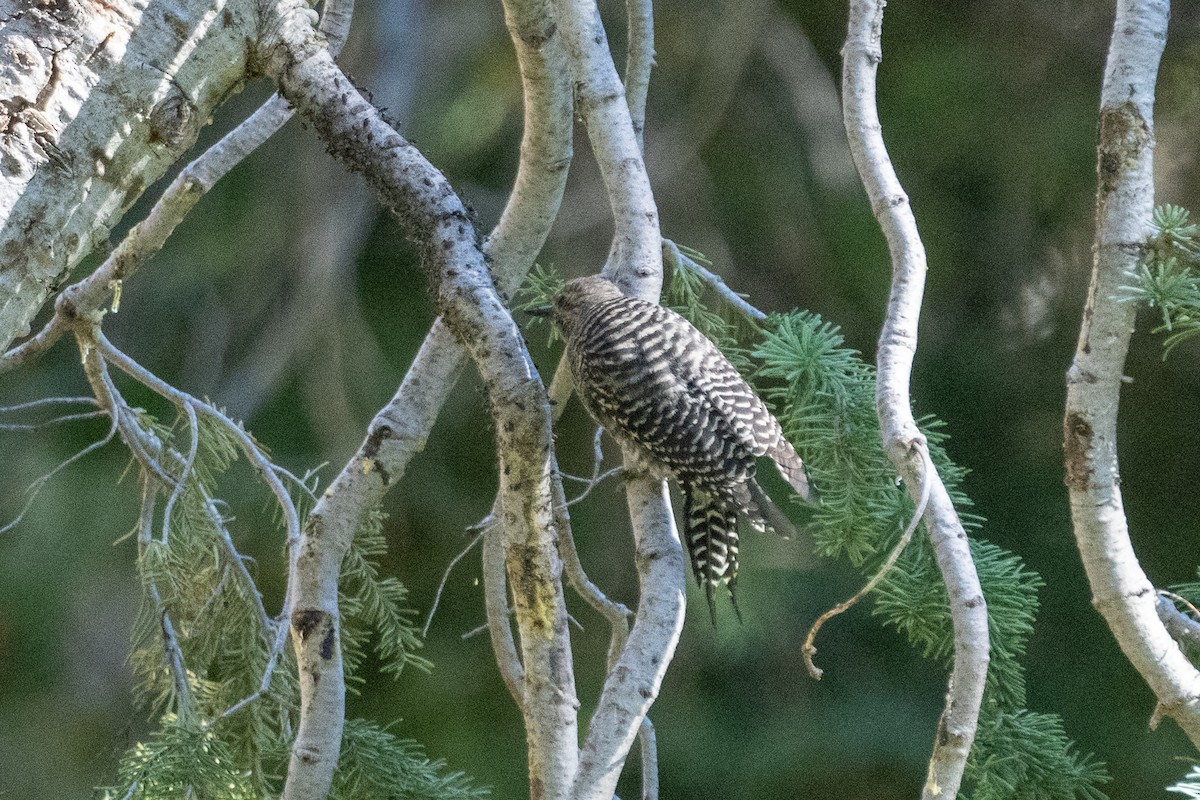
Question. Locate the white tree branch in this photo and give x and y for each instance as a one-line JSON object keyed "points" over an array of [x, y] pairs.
{"points": [[196, 179], [1124, 203], [633, 683], [905, 444], [476, 315], [97, 104], [635, 263]]}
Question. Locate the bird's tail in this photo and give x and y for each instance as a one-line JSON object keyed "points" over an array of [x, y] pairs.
{"points": [[712, 541], [791, 467]]}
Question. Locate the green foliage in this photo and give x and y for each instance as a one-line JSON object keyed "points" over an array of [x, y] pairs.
{"points": [[689, 294], [824, 396], [1021, 755], [375, 765], [370, 603], [180, 761], [912, 598], [209, 660], [538, 291], [1167, 278], [1189, 786]]}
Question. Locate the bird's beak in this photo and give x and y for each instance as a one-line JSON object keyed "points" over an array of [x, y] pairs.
{"points": [[540, 311]]}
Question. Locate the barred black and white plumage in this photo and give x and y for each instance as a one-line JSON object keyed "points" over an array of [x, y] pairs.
{"points": [[656, 383]]}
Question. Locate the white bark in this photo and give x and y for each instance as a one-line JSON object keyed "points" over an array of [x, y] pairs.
{"points": [[475, 313], [95, 105], [1121, 591], [903, 441], [635, 263]]}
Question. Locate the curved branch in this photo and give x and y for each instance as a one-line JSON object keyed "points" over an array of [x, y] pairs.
{"points": [[495, 600], [474, 312], [147, 237], [1124, 203], [633, 683], [905, 444], [635, 264], [636, 260], [97, 109]]}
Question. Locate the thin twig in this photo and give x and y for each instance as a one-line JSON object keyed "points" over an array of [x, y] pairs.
{"points": [[592, 483], [181, 399], [149, 450], [437, 596], [185, 472], [44, 401], [172, 652], [810, 649], [37, 426], [35, 488], [32, 348], [1181, 627]]}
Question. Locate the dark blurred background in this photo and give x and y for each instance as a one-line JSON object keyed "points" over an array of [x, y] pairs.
{"points": [[289, 298]]}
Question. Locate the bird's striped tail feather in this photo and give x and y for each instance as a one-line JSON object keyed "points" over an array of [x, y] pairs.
{"points": [[711, 535]]}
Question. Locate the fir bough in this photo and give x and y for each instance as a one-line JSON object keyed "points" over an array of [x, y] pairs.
{"points": [[1168, 277], [1189, 786], [207, 656], [538, 291], [375, 765], [824, 396], [178, 762], [371, 604]]}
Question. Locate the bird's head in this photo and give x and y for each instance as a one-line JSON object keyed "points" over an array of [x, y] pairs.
{"points": [[576, 298]]}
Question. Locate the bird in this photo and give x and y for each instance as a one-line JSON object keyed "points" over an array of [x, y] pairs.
{"points": [[664, 390]]}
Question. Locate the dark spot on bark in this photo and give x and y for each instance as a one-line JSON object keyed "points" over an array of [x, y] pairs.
{"points": [[1077, 441], [536, 39], [1123, 136], [305, 621], [227, 19], [327, 644], [371, 446], [974, 602]]}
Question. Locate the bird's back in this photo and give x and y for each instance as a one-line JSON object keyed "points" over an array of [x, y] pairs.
{"points": [[653, 380]]}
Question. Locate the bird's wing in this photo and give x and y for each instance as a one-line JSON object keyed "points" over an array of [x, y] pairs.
{"points": [[702, 365], [718, 383], [628, 362]]}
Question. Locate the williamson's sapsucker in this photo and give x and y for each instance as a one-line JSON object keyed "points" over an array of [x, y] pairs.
{"points": [[660, 386]]}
